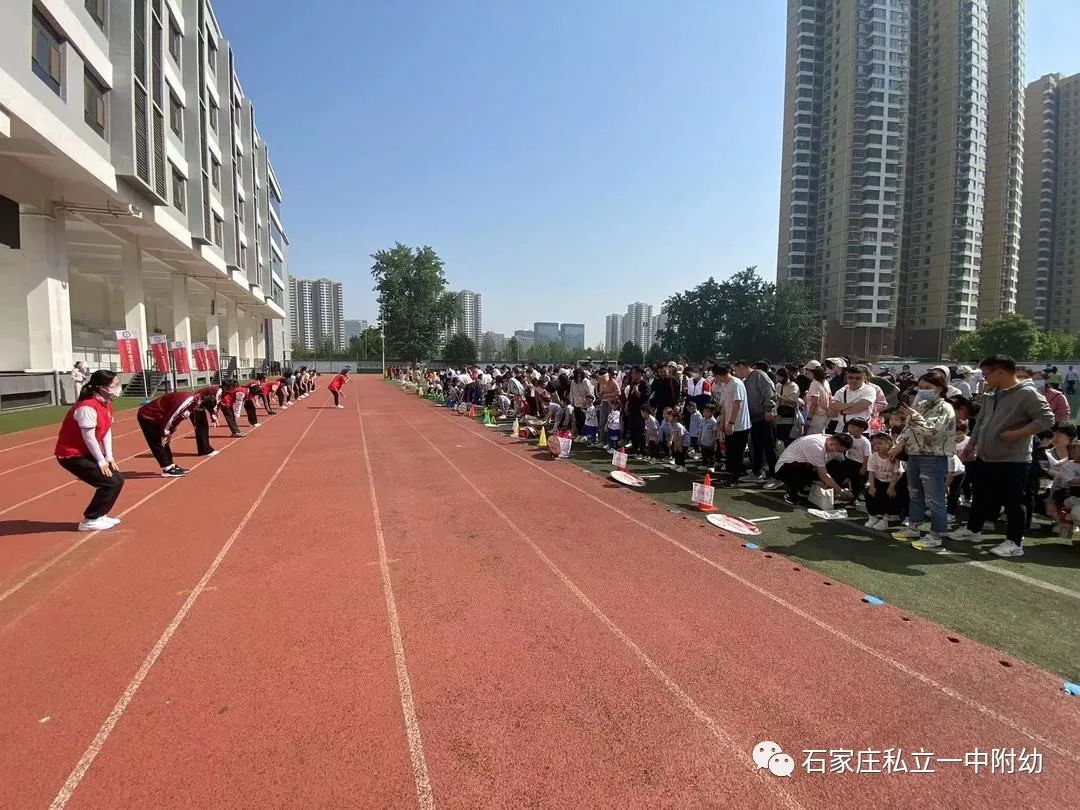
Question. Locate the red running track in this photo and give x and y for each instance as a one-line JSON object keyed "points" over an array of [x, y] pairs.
{"points": [[390, 605]]}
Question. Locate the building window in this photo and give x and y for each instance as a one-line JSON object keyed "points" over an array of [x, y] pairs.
{"points": [[176, 116], [178, 190], [215, 172], [240, 209], [94, 102], [174, 40], [243, 257], [219, 226], [213, 115], [97, 11], [211, 53], [47, 60]]}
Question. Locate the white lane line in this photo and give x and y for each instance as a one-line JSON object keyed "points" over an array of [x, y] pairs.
{"points": [[424, 795], [1005, 572], [88, 536], [51, 438], [669, 683], [971, 703], [52, 458], [76, 776]]}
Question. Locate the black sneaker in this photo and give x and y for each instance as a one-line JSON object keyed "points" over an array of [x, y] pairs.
{"points": [[173, 472], [790, 500]]}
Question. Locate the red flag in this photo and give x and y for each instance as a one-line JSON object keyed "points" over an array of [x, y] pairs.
{"points": [[199, 350], [159, 348], [180, 357], [130, 355], [212, 358]]}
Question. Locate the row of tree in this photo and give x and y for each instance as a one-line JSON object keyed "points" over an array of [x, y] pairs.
{"points": [[1017, 337], [365, 346]]}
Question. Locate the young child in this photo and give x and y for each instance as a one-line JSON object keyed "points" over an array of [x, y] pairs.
{"points": [[591, 417], [694, 431], [1066, 485], [707, 441], [954, 481], [652, 432], [858, 455], [883, 494], [676, 438], [614, 430]]}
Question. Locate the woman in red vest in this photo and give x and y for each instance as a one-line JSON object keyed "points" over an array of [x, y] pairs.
{"points": [[160, 418], [84, 448], [335, 386]]}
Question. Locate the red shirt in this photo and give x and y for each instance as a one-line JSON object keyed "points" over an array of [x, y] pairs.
{"points": [[337, 382], [268, 388], [167, 410], [70, 444]]}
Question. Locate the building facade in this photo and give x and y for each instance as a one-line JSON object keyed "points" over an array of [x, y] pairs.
{"points": [[354, 328], [887, 135], [143, 190], [470, 321], [545, 332], [318, 313], [1050, 236], [636, 325], [613, 332], [572, 336], [525, 338]]}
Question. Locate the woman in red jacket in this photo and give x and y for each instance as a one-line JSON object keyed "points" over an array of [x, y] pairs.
{"points": [[84, 448], [160, 418], [335, 386]]}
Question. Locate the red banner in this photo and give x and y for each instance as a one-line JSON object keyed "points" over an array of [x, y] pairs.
{"points": [[130, 355], [212, 358], [199, 351], [180, 357], [159, 349]]}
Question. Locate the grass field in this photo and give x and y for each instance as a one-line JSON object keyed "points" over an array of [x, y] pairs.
{"points": [[1022, 607], [14, 421]]}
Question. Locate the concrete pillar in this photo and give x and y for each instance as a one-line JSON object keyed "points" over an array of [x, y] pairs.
{"points": [[181, 325], [232, 329], [213, 326], [35, 308], [247, 338], [134, 298]]}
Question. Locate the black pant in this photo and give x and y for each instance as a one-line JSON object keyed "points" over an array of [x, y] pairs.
{"points": [[250, 412], [281, 396], [200, 421], [107, 488], [797, 476], [708, 455], [762, 447], [679, 456], [955, 489], [881, 503], [736, 449], [847, 470], [337, 397], [230, 417], [997, 484], [636, 429], [152, 433], [579, 420]]}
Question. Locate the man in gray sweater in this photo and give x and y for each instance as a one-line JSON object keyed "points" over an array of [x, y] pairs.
{"points": [[1011, 413]]}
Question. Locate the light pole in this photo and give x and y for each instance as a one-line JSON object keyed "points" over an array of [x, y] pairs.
{"points": [[382, 338]]}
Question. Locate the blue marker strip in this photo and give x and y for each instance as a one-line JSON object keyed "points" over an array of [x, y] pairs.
{"points": [[751, 546], [873, 600], [1072, 688]]}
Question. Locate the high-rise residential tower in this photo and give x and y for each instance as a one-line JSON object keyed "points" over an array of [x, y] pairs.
{"points": [[470, 322], [1050, 237], [890, 141], [612, 332], [636, 325], [317, 312]]}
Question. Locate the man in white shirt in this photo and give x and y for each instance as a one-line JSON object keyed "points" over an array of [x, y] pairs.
{"points": [[807, 459], [854, 401], [735, 419]]}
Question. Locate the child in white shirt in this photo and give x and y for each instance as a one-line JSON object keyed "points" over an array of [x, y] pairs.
{"points": [[614, 429], [591, 426], [954, 481], [676, 438], [695, 427], [884, 498]]}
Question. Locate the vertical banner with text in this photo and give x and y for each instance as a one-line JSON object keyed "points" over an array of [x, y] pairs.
{"points": [[159, 350], [199, 352], [212, 358], [130, 355], [180, 357]]}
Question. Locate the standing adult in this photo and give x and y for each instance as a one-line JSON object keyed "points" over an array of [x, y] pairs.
{"points": [[697, 388], [854, 401], [1058, 402], [336, 386], [761, 407], [787, 406], [84, 448], [1071, 378], [664, 389], [818, 398], [929, 439], [78, 379], [607, 390], [735, 420], [1012, 413], [636, 395], [580, 388]]}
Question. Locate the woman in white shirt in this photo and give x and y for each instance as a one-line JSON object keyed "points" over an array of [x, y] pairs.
{"points": [[787, 406], [818, 399]]}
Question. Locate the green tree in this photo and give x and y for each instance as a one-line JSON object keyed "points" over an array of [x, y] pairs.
{"points": [[966, 348], [631, 353], [1054, 346], [301, 353], [655, 354], [459, 349], [487, 347], [413, 301], [356, 348], [513, 349], [557, 353], [539, 353], [695, 322], [370, 343], [1010, 334]]}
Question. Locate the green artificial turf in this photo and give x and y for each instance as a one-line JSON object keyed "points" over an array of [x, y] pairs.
{"points": [[14, 421], [1022, 620]]}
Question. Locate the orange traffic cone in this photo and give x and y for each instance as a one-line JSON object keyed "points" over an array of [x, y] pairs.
{"points": [[702, 505], [472, 410]]}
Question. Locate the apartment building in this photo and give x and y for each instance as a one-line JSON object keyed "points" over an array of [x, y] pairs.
{"points": [[318, 313], [546, 332], [470, 321], [572, 335], [636, 325], [1050, 231], [887, 137], [140, 191], [613, 332]]}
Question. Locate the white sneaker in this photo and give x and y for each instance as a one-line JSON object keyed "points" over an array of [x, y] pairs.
{"points": [[110, 520], [951, 519], [872, 522], [96, 525], [339, 407], [680, 469], [965, 535], [930, 541], [1008, 549], [750, 478], [910, 534], [772, 483], [881, 526]]}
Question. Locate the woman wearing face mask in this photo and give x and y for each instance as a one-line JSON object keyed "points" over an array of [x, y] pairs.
{"points": [[84, 448], [929, 440]]}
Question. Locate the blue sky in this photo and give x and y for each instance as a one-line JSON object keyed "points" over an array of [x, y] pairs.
{"points": [[609, 150]]}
